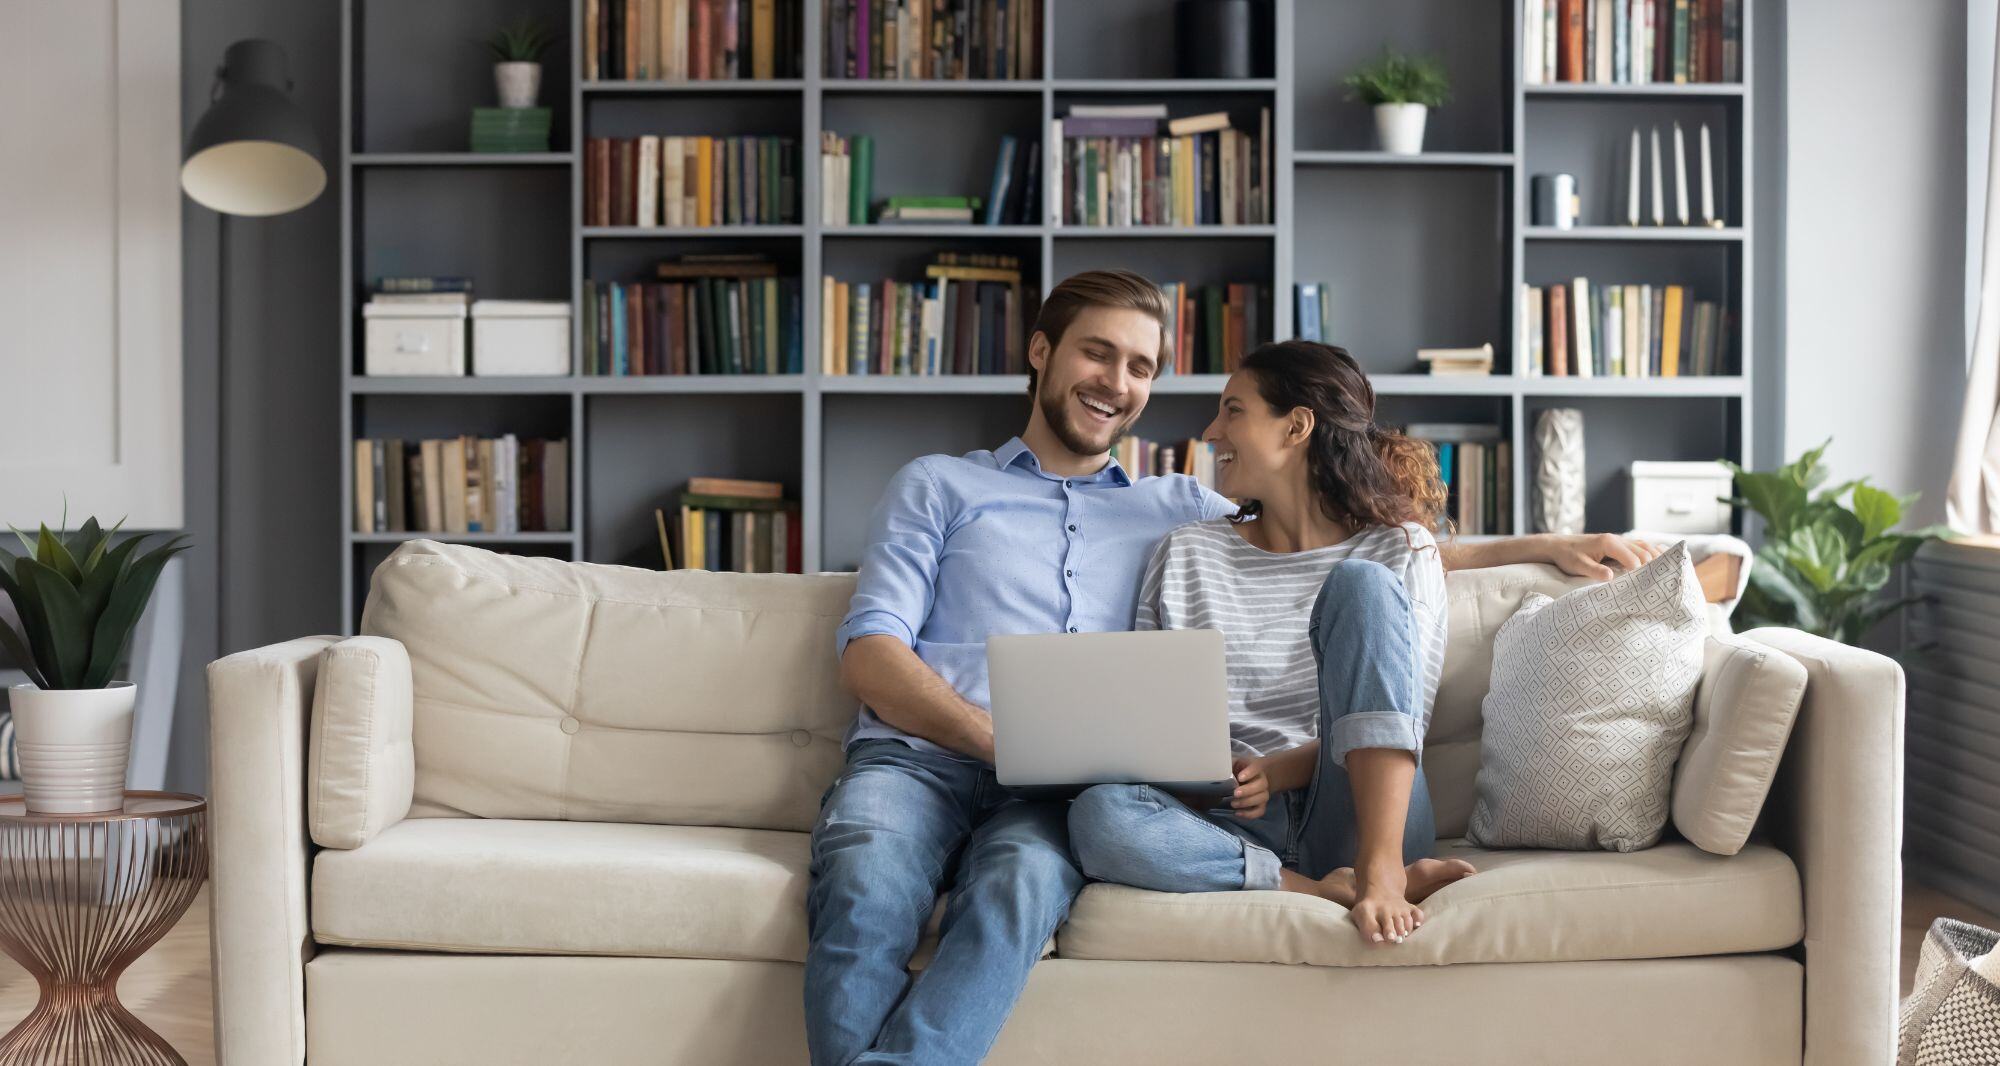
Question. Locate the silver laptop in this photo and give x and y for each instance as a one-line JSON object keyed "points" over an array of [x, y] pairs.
{"points": [[1079, 709]]}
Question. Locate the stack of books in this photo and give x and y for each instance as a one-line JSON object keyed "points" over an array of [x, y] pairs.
{"points": [[944, 39], [692, 40], [969, 316], [1312, 313], [714, 314], [1477, 463], [1630, 331], [1214, 326], [461, 485], [1636, 42], [428, 289], [747, 527], [1145, 458], [1458, 362], [690, 181], [510, 129], [1120, 168], [928, 210]]}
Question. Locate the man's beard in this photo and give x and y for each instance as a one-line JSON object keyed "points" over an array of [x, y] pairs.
{"points": [[1055, 411]]}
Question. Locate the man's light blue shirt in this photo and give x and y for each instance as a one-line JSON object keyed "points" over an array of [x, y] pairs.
{"points": [[988, 542]]}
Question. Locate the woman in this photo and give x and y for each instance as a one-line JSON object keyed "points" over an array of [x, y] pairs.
{"points": [[1331, 604]]}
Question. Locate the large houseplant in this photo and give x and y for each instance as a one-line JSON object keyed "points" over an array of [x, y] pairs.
{"points": [[1403, 89], [1824, 562], [78, 596]]}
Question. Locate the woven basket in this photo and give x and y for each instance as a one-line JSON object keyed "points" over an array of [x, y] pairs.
{"points": [[1952, 1017]]}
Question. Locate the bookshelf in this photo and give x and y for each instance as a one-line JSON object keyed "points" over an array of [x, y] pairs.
{"points": [[1421, 251]]}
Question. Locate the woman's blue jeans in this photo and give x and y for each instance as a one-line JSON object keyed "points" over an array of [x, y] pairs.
{"points": [[1371, 696]]}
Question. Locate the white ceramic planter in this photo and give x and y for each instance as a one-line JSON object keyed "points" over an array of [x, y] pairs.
{"points": [[73, 745], [1401, 127], [518, 83]]}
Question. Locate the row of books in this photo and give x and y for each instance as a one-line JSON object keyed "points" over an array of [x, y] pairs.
{"points": [[1312, 311], [943, 39], [1120, 168], [1632, 331], [969, 316], [1477, 464], [691, 40], [747, 527], [1632, 42], [690, 181], [461, 485], [699, 325], [1213, 326], [1147, 458]]}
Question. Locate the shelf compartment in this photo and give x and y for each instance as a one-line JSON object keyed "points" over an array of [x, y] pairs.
{"points": [[1132, 42], [1591, 138], [1618, 430], [1473, 40], [419, 70]]}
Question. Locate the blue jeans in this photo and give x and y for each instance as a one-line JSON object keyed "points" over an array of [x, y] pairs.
{"points": [[1370, 696], [896, 826]]}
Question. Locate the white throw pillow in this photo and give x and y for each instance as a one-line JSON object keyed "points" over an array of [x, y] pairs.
{"points": [[1592, 697]]}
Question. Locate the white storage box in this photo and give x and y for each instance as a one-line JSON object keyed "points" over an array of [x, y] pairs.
{"points": [[1680, 497], [410, 339], [512, 337]]}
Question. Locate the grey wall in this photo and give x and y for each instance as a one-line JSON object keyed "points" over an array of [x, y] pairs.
{"points": [[279, 528], [1874, 231]]}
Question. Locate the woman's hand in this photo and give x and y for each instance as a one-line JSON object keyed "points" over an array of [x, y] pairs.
{"points": [[1253, 788], [1585, 554]]}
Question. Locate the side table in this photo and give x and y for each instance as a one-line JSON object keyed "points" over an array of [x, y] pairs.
{"points": [[81, 897]]}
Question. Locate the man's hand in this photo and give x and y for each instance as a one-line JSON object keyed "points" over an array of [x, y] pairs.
{"points": [[1253, 788], [1586, 554]]}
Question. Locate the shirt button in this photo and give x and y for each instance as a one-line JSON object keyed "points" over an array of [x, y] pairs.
{"points": [[1065, 484], [1072, 529], [1072, 629], [1069, 573]]}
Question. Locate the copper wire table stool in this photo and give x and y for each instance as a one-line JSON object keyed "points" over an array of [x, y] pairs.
{"points": [[81, 897]]}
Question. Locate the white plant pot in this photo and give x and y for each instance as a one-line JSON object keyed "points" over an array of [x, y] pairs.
{"points": [[518, 83], [73, 745], [1401, 127]]}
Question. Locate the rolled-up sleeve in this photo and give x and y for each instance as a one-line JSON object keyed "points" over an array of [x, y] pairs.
{"points": [[896, 587]]}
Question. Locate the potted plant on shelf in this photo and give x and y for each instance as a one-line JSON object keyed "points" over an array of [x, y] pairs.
{"points": [[78, 597], [517, 69], [1402, 89]]}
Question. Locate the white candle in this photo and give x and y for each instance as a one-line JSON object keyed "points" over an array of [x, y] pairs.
{"points": [[1632, 201], [1659, 198], [1707, 180], [1680, 176]]}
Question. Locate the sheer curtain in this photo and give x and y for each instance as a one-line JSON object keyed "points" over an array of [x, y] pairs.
{"points": [[1972, 502]]}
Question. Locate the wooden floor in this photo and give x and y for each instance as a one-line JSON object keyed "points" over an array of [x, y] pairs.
{"points": [[169, 988]]}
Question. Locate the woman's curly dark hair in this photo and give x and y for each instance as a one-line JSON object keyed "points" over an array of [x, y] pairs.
{"points": [[1362, 473]]}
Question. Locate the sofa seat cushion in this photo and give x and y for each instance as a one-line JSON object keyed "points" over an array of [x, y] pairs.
{"points": [[575, 888], [1523, 906]]}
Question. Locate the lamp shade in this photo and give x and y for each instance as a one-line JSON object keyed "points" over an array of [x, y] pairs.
{"points": [[253, 152]]}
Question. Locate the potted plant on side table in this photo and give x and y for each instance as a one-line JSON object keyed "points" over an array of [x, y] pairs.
{"points": [[78, 596], [1402, 89]]}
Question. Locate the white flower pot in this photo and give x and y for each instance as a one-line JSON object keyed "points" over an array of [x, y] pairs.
{"points": [[518, 83], [1401, 127], [73, 745]]}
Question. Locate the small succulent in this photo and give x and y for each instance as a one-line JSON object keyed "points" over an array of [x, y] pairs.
{"points": [[1395, 78], [79, 598], [520, 42]]}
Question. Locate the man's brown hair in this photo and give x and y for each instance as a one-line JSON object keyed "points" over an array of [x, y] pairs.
{"points": [[1099, 288]]}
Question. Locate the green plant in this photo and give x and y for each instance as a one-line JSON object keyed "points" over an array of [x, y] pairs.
{"points": [[1395, 78], [520, 42], [79, 597], [1823, 563]]}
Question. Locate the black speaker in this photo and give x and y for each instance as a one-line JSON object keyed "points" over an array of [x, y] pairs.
{"points": [[1212, 38]]}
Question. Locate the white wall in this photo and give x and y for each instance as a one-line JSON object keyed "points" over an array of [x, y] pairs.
{"points": [[1874, 330]]}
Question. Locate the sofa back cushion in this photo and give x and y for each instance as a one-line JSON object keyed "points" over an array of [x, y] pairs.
{"points": [[557, 690]]}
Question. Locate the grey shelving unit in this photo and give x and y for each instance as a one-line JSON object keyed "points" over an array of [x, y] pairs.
{"points": [[1421, 251]]}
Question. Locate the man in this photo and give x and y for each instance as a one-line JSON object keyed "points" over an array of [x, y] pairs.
{"points": [[1045, 534]]}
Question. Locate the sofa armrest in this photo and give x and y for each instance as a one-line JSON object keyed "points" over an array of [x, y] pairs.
{"points": [[361, 766], [1837, 809], [259, 704]]}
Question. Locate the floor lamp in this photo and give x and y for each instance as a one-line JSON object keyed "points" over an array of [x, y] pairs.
{"points": [[253, 153]]}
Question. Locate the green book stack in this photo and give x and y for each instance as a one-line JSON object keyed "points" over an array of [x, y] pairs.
{"points": [[932, 209], [510, 129]]}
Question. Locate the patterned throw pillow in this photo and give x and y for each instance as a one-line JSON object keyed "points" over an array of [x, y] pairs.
{"points": [[1592, 697]]}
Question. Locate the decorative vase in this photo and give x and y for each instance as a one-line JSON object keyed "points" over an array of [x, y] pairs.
{"points": [[518, 83], [1559, 485], [73, 745], [1401, 127]]}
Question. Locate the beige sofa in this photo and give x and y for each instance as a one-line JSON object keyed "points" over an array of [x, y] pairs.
{"points": [[544, 812]]}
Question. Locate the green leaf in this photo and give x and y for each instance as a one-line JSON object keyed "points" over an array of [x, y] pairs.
{"points": [[1776, 579], [1775, 497], [1878, 511], [1808, 472], [100, 580], [128, 602], [54, 554], [68, 629], [17, 650], [33, 625], [96, 553], [26, 541], [1818, 552]]}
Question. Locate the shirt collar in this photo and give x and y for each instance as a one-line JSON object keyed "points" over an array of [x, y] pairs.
{"points": [[1016, 453]]}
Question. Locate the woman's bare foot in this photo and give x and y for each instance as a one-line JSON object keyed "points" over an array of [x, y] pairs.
{"points": [[1426, 876], [1383, 915]]}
